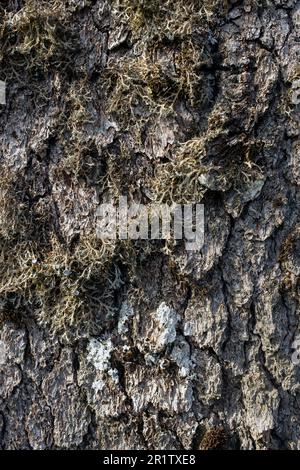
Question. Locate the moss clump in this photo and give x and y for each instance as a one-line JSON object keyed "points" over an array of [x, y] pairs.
{"points": [[68, 288], [78, 107], [178, 180], [71, 292], [138, 89], [214, 439], [80, 159], [24, 232], [76, 288], [35, 38], [190, 58], [12, 206], [170, 18], [82, 164], [213, 161], [146, 87], [289, 102]]}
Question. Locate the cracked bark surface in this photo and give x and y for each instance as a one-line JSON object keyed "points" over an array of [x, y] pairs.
{"points": [[193, 342]]}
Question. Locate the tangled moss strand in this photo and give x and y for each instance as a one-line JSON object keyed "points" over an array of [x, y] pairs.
{"points": [[37, 38]]}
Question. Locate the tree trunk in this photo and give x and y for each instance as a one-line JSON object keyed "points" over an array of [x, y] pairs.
{"points": [[138, 344]]}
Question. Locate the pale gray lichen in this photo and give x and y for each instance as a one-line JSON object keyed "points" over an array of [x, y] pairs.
{"points": [[181, 355], [99, 353], [2, 353], [167, 320], [125, 313]]}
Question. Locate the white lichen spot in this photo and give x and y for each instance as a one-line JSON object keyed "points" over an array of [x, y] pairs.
{"points": [[114, 375], [167, 320], [181, 354], [189, 328], [2, 92], [125, 313], [99, 353], [296, 92], [150, 359], [98, 385], [2, 353]]}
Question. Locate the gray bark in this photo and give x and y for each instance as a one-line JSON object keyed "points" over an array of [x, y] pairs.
{"points": [[143, 345]]}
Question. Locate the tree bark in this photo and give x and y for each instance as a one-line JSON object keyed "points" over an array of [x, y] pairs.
{"points": [[142, 344]]}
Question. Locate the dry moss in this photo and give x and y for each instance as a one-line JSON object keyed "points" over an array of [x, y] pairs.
{"points": [[288, 259], [138, 89], [82, 163], [214, 439], [170, 18], [70, 289], [12, 207], [72, 292], [178, 180], [143, 88], [35, 38], [211, 161], [80, 156], [24, 232], [152, 82], [76, 289], [190, 58], [78, 108]]}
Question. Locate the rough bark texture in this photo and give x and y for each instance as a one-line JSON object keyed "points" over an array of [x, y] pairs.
{"points": [[142, 345]]}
